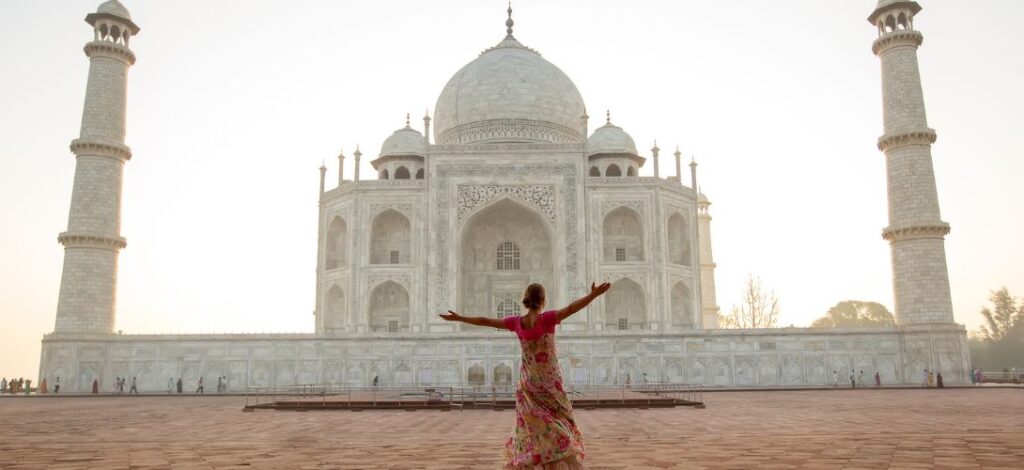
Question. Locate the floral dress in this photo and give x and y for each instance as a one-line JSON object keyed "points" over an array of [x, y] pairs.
{"points": [[545, 435]]}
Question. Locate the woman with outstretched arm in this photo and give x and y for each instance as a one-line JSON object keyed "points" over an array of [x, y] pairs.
{"points": [[545, 434]]}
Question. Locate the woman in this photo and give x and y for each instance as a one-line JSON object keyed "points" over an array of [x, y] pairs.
{"points": [[545, 435]]}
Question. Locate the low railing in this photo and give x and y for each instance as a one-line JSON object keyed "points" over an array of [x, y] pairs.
{"points": [[462, 397]]}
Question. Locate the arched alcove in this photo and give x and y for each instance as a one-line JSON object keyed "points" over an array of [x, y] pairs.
{"points": [[503, 248], [384, 174], [334, 310], [390, 238], [594, 171], [623, 236], [502, 374], [630, 171], [613, 170], [389, 308], [419, 174], [682, 306], [625, 306], [476, 376], [402, 173], [679, 240], [337, 236]]}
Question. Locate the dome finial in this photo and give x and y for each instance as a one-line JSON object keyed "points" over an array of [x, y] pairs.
{"points": [[406, 119], [607, 116], [509, 23]]}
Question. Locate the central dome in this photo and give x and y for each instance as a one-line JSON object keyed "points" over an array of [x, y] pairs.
{"points": [[509, 94]]}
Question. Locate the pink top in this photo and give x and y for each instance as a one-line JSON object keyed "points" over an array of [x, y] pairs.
{"points": [[544, 324]]}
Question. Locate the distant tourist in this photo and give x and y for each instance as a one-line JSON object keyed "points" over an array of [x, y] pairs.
{"points": [[179, 384], [835, 379], [220, 384], [926, 374], [56, 385], [860, 379], [375, 380], [878, 380], [28, 386], [629, 381], [931, 379], [3, 385], [853, 379], [545, 435], [95, 386], [199, 388], [981, 377], [938, 379], [170, 385], [43, 386], [973, 376], [134, 389]]}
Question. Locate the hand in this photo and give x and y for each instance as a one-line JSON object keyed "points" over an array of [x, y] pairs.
{"points": [[450, 316], [598, 290]]}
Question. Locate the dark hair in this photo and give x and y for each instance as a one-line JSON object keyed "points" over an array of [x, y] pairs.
{"points": [[534, 296]]}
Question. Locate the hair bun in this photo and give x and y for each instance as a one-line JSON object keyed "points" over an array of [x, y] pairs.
{"points": [[534, 296]]}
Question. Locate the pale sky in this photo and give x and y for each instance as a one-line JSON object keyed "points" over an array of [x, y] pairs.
{"points": [[234, 104]]}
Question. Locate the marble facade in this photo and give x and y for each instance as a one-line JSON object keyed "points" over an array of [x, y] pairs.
{"points": [[516, 190]]}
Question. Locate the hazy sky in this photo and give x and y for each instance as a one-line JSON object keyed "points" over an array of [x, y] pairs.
{"points": [[234, 104]]}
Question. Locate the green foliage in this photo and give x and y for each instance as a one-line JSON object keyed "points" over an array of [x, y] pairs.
{"points": [[1001, 341], [1003, 317], [856, 314]]}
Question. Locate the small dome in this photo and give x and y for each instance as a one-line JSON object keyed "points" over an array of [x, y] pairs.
{"points": [[114, 7], [405, 141], [610, 138], [509, 94]]}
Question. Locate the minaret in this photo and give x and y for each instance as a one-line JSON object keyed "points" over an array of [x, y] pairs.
{"points": [[92, 242], [916, 231], [426, 126], [355, 172], [678, 155], [709, 302], [654, 156]]}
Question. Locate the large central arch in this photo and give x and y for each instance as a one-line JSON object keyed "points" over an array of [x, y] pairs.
{"points": [[487, 273]]}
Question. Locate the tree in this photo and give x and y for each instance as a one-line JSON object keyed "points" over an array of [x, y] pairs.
{"points": [[1002, 317], [856, 314], [1000, 343], [757, 310]]}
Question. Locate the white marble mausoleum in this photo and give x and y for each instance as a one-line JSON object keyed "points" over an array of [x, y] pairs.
{"points": [[510, 183]]}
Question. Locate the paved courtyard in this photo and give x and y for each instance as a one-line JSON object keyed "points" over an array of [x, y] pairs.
{"points": [[870, 429]]}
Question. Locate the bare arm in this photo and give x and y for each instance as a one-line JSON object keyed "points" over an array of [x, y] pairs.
{"points": [[578, 304], [478, 321]]}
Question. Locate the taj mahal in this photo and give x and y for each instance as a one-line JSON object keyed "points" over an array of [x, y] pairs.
{"points": [[510, 182]]}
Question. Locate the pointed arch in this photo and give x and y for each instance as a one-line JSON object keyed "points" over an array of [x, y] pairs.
{"points": [[679, 240], [336, 244], [334, 314], [476, 375], [390, 237], [402, 173], [630, 171], [383, 174], [623, 236], [682, 306], [389, 308], [502, 374], [613, 170], [419, 174], [594, 171], [487, 246], [625, 306]]}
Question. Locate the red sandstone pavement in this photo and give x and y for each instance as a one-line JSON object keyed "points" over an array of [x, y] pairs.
{"points": [[826, 429]]}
